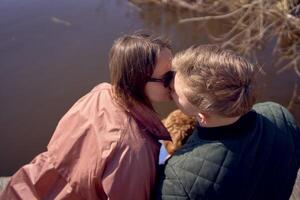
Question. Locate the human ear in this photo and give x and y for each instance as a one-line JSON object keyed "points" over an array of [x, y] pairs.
{"points": [[202, 118]]}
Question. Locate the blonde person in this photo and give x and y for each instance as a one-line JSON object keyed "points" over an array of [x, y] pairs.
{"points": [[238, 150], [107, 145]]}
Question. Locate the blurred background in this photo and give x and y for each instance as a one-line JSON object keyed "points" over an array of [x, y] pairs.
{"points": [[54, 52]]}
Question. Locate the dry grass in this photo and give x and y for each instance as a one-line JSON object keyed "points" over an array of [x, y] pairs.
{"points": [[251, 22]]}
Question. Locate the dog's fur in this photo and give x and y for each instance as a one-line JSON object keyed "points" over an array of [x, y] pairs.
{"points": [[180, 126]]}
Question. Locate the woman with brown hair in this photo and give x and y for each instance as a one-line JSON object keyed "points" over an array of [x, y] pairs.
{"points": [[106, 146]]}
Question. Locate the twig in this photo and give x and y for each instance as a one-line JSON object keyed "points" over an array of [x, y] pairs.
{"points": [[193, 19], [134, 6], [239, 34], [294, 96], [60, 21], [235, 27], [297, 70], [289, 65]]}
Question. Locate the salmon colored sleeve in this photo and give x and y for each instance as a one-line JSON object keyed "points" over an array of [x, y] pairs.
{"points": [[84, 141], [76, 157]]}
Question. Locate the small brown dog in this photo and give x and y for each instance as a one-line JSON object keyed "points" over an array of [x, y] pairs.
{"points": [[180, 126]]}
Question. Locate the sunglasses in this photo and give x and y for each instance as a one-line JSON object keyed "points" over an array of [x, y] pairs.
{"points": [[166, 79]]}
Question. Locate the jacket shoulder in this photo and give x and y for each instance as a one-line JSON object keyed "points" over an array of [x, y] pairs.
{"points": [[199, 168], [276, 113]]}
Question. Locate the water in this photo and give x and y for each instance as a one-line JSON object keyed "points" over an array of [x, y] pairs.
{"points": [[53, 52]]}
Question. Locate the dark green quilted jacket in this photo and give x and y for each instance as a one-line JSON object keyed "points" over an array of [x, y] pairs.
{"points": [[255, 158]]}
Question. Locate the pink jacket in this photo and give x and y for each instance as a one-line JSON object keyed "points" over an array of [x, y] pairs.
{"points": [[98, 151]]}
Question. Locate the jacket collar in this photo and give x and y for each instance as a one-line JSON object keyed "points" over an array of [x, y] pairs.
{"points": [[149, 120]]}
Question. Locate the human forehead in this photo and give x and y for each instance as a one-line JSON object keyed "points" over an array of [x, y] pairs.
{"points": [[180, 88], [163, 63], [178, 84]]}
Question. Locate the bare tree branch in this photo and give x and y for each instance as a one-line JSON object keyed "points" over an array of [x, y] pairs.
{"points": [[293, 98], [219, 16]]}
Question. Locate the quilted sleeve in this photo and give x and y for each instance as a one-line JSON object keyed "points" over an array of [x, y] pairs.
{"points": [[169, 186]]}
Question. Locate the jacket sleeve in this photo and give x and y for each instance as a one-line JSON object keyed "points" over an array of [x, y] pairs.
{"points": [[169, 186], [296, 189]]}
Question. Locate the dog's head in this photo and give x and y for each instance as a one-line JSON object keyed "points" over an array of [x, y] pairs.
{"points": [[180, 126]]}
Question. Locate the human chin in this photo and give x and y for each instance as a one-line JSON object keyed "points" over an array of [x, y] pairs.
{"points": [[160, 98], [183, 108], [166, 98]]}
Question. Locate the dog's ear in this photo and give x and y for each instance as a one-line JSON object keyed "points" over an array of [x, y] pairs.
{"points": [[169, 147], [180, 126]]}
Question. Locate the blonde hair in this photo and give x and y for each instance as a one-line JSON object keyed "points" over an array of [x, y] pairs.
{"points": [[217, 81]]}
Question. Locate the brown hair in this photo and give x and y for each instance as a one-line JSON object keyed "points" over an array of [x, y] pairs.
{"points": [[132, 61], [218, 81]]}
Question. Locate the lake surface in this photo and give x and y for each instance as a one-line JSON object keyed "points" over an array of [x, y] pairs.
{"points": [[53, 52]]}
